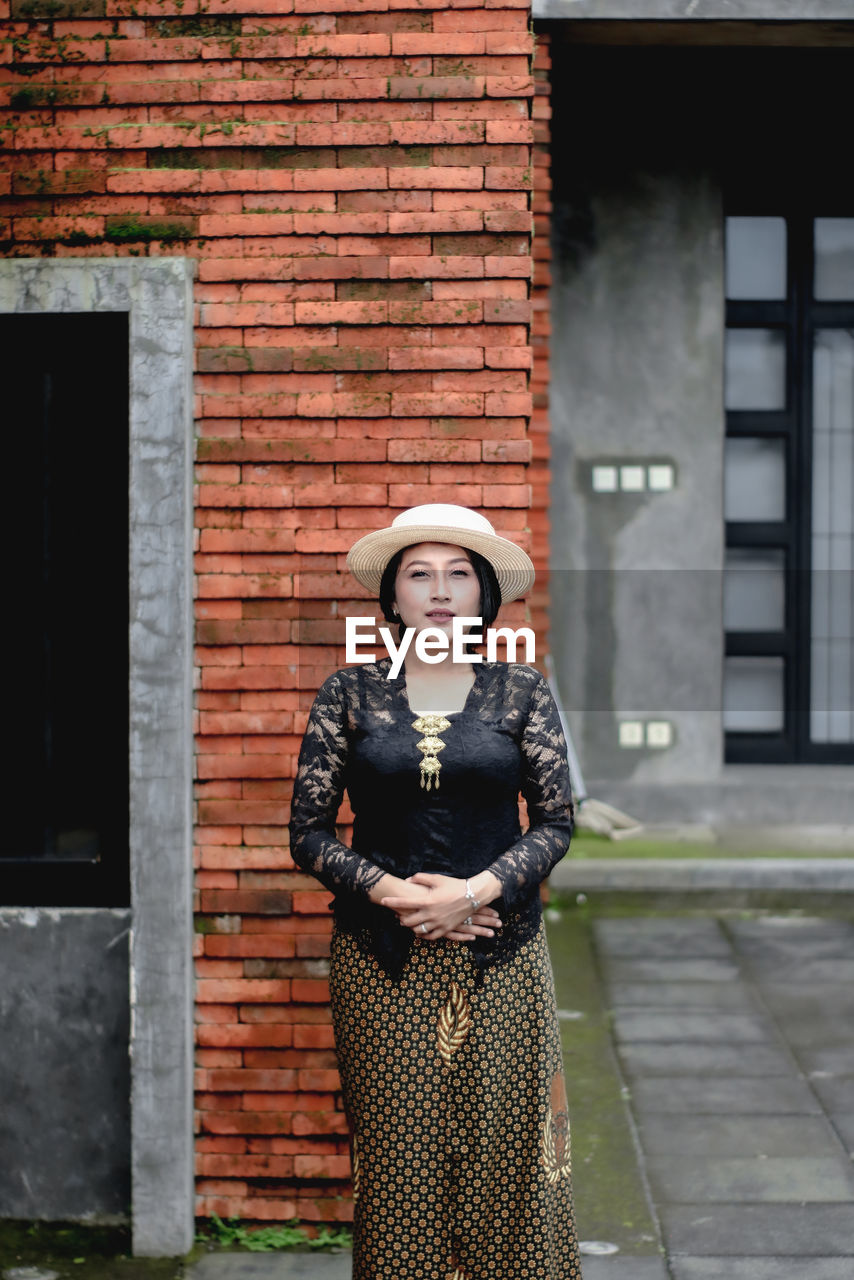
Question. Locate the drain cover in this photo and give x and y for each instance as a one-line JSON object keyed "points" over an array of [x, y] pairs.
{"points": [[597, 1248]]}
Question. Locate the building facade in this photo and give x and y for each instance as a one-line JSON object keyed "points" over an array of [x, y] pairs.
{"points": [[272, 271]]}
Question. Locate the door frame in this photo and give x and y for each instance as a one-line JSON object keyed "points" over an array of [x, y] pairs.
{"points": [[157, 296]]}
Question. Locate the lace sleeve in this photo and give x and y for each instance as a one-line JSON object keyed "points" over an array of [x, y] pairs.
{"points": [[318, 788], [548, 793]]}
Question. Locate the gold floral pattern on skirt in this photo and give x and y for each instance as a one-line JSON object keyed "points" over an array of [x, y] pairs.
{"points": [[456, 1102]]}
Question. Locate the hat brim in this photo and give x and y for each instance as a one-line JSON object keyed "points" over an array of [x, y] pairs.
{"points": [[367, 558]]}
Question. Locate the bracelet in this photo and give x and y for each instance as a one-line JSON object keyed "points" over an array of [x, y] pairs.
{"points": [[472, 899]]}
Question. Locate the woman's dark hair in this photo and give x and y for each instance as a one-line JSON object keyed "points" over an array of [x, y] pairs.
{"points": [[490, 591]]}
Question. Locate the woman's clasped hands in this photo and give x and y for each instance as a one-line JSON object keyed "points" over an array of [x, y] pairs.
{"points": [[436, 906]]}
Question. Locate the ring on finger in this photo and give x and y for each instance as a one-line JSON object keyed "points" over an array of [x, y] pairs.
{"points": [[423, 927], [467, 920]]}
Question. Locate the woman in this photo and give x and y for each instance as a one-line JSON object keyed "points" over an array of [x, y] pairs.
{"points": [[441, 985]]}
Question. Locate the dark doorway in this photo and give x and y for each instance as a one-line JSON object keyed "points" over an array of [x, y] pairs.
{"points": [[65, 380]]}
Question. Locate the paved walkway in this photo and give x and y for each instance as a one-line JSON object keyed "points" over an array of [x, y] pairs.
{"points": [[735, 1037]]}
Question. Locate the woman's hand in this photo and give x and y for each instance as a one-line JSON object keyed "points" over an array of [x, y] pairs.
{"points": [[436, 906]]}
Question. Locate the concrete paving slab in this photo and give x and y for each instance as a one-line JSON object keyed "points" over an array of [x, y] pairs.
{"points": [[726, 996], [700, 1137], [708, 1095], [796, 876], [805, 1031], [779, 937], [728, 1028], [290, 1264], [834, 1001], [754, 1179], [803, 969], [666, 969], [844, 1126], [763, 1230], [761, 1268], [826, 1060], [660, 937], [619, 1267], [836, 1093], [669, 1059]]}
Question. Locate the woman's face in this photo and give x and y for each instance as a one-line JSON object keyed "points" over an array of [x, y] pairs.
{"points": [[435, 583]]}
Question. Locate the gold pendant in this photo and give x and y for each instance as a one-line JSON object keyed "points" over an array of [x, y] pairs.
{"points": [[430, 745]]}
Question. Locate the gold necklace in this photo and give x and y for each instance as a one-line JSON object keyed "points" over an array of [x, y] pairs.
{"points": [[430, 745]]}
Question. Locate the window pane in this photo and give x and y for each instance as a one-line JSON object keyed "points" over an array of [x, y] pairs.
{"points": [[832, 583], [754, 589], [756, 258], [753, 695], [834, 259], [755, 369], [754, 478]]}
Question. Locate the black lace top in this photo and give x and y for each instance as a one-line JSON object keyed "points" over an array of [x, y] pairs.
{"points": [[507, 738]]}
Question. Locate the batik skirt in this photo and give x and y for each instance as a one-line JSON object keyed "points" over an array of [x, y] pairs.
{"points": [[456, 1101]]}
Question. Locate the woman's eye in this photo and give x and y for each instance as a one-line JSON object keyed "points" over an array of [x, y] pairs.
{"points": [[418, 573]]}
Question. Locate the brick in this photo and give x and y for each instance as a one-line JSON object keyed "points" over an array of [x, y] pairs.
{"points": [[224, 1081], [509, 177], [477, 19], [249, 1166], [450, 357], [342, 312], [454, 178], [435, 313], [317, 1166], [231, 990], [416, 223], [340, 179], [315, 1037], [426, 87], [422, 133], [509, 131], [269, 902]]}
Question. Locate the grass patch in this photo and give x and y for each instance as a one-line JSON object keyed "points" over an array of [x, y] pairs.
{"points": [[233, 1233], [609, 1195], [586, 845]]}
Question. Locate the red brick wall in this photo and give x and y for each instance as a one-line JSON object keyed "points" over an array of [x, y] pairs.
{"points": [[539, 470], [354, 179]]}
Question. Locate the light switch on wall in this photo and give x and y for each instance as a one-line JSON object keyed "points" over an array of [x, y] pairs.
{"points": [[633, 479], [659, 733], [660, 477], [631, 733], [604, 479]]}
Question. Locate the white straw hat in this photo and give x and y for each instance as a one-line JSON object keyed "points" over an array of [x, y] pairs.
{"points": [[442, 522]]}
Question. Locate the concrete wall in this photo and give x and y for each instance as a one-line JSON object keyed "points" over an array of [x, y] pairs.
{"points": [[637, 315], [696, 10], [637, 372], [157, 297], [65, 1067]]}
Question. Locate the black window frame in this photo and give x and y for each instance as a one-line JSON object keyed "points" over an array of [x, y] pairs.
{"points": [[799, 315]]}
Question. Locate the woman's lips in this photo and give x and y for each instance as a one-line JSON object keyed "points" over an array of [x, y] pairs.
{"points": [[440, 615]]}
